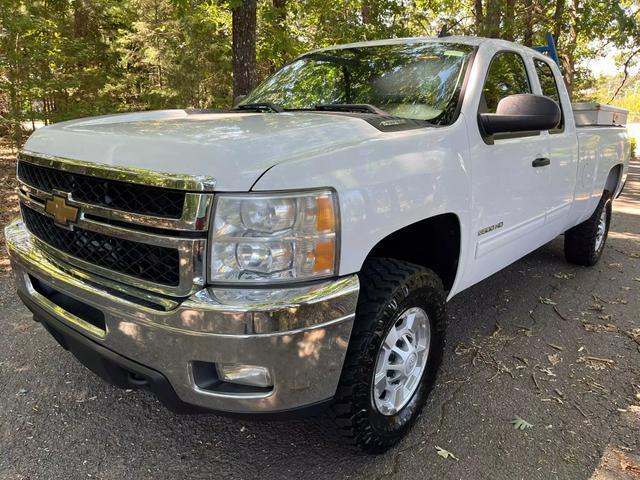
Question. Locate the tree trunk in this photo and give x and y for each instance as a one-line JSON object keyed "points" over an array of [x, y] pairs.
{"points": [[492, 19], [528, 22], [15, 110], [244, 47], [557, 20], [568, 51], [279, 33], [509, 20], [280, 7], [366, 12], [80, 19], [477, 12]]}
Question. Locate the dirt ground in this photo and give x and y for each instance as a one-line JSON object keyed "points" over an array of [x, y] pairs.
{"points": [[8, 195], [555, 345]]}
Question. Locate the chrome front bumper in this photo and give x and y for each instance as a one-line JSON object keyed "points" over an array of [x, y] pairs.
{"points": [[301, 334]]}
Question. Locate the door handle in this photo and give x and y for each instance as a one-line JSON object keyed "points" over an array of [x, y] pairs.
{"points": [[541, 162]]}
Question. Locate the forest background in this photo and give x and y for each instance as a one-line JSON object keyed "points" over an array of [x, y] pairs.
{"points": [[62, 59]]}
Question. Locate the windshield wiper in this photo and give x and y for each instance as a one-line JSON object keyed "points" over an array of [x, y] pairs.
{"points": [[384, 119], [261, 107], [351, 107]]}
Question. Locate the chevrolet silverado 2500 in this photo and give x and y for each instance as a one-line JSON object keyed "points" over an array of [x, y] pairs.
{"points": [[297, 251]]}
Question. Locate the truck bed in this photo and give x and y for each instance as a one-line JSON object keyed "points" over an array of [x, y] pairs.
{"points": [[599, 149]]}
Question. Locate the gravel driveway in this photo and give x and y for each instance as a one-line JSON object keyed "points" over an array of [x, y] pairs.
{"points": [[554, 344]]}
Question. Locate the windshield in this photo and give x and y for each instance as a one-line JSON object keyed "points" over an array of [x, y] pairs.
{"points": [[421, 81]]}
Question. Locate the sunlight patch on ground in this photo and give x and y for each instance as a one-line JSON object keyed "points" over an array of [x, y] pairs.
{"points": [[634, 237], [620, 462], [631, 210]]}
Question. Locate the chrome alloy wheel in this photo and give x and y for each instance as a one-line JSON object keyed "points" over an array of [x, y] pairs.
{"points": [[401, 361], [602, 228]]}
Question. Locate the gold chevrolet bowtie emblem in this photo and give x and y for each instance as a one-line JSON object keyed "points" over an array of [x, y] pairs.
{"points": [[62, 213]]}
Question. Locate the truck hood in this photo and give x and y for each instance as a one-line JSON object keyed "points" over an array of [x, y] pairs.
{"points": [[234, 148]]}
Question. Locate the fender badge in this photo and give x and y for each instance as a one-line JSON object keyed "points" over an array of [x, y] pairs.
{"points": [[490, 228]]}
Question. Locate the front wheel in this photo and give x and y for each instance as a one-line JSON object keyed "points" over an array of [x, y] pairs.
{"points": [[584, 243], [394, 353]]}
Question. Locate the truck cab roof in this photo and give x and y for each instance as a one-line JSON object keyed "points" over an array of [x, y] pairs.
{"points": [[457, 39]]}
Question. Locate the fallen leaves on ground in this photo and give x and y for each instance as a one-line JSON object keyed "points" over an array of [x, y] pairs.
{"points": [[445, 453], [564, 276], [597, 363], [520, 423], [599, 328], [554, 359], [546, 301]]}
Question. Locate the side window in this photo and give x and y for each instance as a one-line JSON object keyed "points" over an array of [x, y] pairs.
{"points": [[507, 76], [548, 85]]}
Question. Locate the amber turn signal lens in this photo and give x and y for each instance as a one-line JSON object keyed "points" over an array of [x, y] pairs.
{"points": [[325, 218], [325, 254]]}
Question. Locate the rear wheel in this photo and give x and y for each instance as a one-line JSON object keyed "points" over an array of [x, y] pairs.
{"points": [[584, 243], [394, 353]]}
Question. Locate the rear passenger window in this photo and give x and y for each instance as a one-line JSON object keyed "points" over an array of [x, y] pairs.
{"points": [[507, 76], [548, 85], [547, 80]]}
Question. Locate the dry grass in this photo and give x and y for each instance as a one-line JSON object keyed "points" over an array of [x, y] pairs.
{"points": [[8, 197]]}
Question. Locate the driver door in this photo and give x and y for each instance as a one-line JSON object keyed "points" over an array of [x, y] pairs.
{"points": [[508, 185]]}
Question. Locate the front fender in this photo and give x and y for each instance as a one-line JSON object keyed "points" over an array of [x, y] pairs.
{"points": [[385, 184]]}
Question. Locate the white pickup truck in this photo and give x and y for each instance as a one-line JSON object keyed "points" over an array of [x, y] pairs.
{"points": [[297, 252]]}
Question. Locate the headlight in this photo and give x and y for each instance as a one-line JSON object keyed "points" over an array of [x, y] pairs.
{"points": [[281, 237]]}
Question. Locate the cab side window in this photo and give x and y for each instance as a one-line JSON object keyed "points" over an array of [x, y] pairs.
{"points": [[507, 76], [549, 86]]}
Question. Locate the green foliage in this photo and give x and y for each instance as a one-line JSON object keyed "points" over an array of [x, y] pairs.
{"points": [[611, 89], [61, 59], [634, 145]]}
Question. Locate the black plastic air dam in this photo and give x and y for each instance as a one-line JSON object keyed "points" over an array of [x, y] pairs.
{"points": [[125, 373]]}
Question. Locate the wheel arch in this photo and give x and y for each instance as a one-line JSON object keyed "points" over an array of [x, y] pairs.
{"points": [[434, 243], [614, 178]]}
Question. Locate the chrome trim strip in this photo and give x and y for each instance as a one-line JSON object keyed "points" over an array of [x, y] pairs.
{"points": [[112, 230], [195, 213], [123, 174], [163, 303]]}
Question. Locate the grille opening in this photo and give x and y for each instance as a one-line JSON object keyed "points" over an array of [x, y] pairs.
{"points": [[125, 196], [119, 293], [81, 310], [147, 262]]}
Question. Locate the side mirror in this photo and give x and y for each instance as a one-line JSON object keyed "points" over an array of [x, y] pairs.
{"points": [[522, 112]]}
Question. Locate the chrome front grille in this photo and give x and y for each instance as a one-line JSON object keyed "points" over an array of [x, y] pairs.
{"points": [[139, 260], [128, 197], [136, 227]]}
